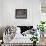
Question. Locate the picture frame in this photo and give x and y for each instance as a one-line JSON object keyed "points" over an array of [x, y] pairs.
{"points": [[21, 13]]}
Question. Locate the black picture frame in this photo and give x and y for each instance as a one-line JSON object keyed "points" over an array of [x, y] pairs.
{"points": [[21, 13]]}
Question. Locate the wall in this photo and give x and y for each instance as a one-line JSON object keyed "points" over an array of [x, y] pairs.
{"points": [[33, 12], [0, 12]]}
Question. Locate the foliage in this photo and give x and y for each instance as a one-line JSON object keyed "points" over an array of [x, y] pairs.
{"points": [[34, 38], [41, 26]]}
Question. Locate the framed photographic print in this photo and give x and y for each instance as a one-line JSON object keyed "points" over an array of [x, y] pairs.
{"points": [[21, 13]]}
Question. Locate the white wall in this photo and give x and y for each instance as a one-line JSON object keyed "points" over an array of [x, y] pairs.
{"points": [[0, 12], [33, 12]]}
